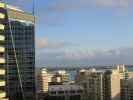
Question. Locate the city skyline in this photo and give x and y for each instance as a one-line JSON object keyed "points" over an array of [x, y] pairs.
{"points": [[83, 31], [66, 50]]}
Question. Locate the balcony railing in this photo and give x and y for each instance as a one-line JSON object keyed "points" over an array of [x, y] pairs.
{"points": [[2, 38], [2, 83], [2, 5], [2, 27], [2, 60], [2, 49], [2, 94], [2, 72], [2, 16]]}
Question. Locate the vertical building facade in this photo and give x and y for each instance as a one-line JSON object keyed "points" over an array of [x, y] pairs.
{"points": [[2, 53], [127, 89], [92, 81], [64, 76], [100, 85], [111, 85], [43, 80], [17, 61], [42, 84], [65, 92]]}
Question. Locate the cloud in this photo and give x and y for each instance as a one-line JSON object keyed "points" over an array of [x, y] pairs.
{"points": [[45, 43], [98, 57]]}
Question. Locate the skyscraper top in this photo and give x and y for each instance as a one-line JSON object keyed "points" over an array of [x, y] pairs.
{"points": [[14, 8], [18, 14]]}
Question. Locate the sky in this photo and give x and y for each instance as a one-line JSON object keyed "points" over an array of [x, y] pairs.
{"points": [[82, 32]]}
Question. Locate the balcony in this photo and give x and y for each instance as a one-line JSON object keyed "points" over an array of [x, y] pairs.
{"points": [[2, 5], [2, 94], [4, 99], [2, 49], [2, 38], [2, 83], [2, 27], [2, 16], [2, 60], [2, 72]]}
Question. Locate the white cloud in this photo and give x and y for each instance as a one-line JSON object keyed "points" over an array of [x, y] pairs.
{"points": [[41, 42], [101, 57], [45, 43]]}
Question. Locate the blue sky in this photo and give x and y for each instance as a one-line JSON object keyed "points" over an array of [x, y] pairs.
{"points": [[82, 32]]}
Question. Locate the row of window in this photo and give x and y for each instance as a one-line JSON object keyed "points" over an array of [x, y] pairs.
{"points": [[63, 92]]}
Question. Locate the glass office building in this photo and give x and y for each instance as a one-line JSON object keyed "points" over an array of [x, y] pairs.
{"points": [[17, 54]]}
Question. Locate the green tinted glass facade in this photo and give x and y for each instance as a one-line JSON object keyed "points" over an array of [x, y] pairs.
{"points": [[20, 69]]}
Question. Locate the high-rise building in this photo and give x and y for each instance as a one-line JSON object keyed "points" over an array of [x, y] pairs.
{"points": [[122, 71], [43, 80], [100, 84], [127, 89], [17, 54], [91, 80], [42, 84], [111, 85], [2, 53], [46, 78]]}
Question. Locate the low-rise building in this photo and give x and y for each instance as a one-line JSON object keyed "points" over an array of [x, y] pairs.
{"points": [[60, 76], [65, 92]]}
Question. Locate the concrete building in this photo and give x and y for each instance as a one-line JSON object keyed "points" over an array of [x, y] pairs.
{"points": [[17, 54], [50, 75], [126, 77], [130, 75], [111, 85], [3, 94], [122, 71], [60, 76], [64, 75], [92, 83], [42, 84], [43, 80], [65, 92], [127, 89], [100, 85]]}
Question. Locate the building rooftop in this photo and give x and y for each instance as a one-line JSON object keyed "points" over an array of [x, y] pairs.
{"points": [[14, 8], [17, 14], [64, 87]]}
